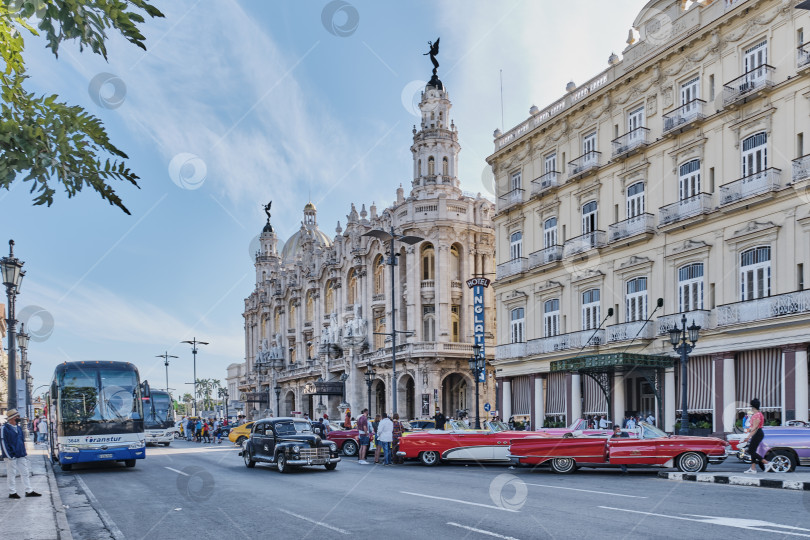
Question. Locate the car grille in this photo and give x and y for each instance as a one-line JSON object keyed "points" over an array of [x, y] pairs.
{"points": [[314, 453]]}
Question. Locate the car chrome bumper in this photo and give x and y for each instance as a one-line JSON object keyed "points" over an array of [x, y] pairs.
{"points": [[402, 454], [313, 461]]}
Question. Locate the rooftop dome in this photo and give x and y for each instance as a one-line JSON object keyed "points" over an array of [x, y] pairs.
{"points": [[310, 206], [309, 229]]}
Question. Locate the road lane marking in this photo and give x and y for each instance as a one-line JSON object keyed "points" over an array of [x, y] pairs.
{"points": [[113, 529], [459, 501], [175, 470], [588, 491], [481, 531], [320, 524], [737, 523]]}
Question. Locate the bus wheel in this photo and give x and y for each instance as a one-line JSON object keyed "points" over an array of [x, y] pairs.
{"points": [[66, 466], [129, 462]]}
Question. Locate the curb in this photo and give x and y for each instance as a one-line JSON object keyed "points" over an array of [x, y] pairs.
{"points": [[62, 526], [736, 480]]}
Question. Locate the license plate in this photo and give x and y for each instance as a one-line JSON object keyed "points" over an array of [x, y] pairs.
{"points": [[102, 456]]}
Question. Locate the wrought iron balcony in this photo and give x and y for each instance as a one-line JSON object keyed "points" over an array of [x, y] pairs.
{"points": [[512, 350], [749, 84], [630, 141], [643, 223], [687, 115], [700, 317], [748, 186], [685, 208], [510, 199], [803, 56], [588, 162], [582, 243], [630, 330], [801, 168], [510, 268], [764, 308], [561, 342], [545, 256], [546, 182]]}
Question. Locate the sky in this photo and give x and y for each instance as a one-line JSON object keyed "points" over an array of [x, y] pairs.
{"points": [[236, 103]]}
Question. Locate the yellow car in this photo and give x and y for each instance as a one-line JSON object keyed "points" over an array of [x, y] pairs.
{"points": [[240, 433]]}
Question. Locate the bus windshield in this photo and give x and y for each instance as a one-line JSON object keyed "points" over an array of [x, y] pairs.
{"points": [[89, 395], [157, 411]]}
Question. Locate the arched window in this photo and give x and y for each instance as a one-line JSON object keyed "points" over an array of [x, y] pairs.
{"points": [[419, 168], [589, 217], [636, 299], [517, 319], [516, 245], [431, 166], [277, 320], [429, 323], [754, 154], [635, 200], [455, 324], [590, 309], [550, 232], [379, 330], [690, 287], [264, 276], [455, 263], [689, 179], [379, 275], [351, 297], [310, 308], [445, 167], [755, 273], [329, 300], [551, 317], [291, 314], [428, 262]]}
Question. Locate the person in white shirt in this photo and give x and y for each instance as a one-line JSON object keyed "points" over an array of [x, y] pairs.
{"points": [[651, 419], [602, 423], [385, 436], [631, 423]]}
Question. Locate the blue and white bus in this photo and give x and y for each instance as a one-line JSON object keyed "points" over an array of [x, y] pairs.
{"points": [[158, 418], [95, 413]]}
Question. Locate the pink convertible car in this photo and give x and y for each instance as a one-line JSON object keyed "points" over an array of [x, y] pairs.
{"points": [[579, 426]]}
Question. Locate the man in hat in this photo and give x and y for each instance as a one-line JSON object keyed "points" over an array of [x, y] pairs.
{"points": [[12, 445]]}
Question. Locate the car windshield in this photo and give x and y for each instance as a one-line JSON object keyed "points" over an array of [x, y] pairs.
{"points": [[458, 425], [100, 395], [651, 432], [496, 426], [303, 426], [285, 428]]}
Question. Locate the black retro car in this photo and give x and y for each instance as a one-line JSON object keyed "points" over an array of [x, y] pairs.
{"points": [[277, 441]]}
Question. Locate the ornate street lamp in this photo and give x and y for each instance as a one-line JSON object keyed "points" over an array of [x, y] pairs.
{"points": [[370, 374], [277, 389], [477, 365], [194, 344], [390, 237], [12, 278], [166, 357], [680, 338], [22, 343]]}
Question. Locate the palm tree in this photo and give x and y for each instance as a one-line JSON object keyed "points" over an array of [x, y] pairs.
{"points": [[205, 389], [187, 399]]}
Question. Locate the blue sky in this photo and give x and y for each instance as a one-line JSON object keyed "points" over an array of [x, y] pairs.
{"points": [[239, 102]]}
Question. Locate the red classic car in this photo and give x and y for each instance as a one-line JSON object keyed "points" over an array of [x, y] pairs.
{"points": [[652, 448], [460, 443], [346, 440], [578, 427]]}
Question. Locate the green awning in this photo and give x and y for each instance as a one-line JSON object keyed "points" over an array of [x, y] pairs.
{"points": [[612, 362]]}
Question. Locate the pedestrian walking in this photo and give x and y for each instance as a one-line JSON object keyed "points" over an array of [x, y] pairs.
{"points": [[347, 422], [12, 447], [43, 430], [440, 419], [189, 429], [755, 437], [385, 436], [375, 425], [362, 437], [397, 434], [35, 428]]}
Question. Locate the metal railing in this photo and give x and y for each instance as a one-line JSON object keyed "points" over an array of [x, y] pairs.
{"points": [[631, 140], [748, 186], [751, 81], [547, 181], [561, 342], [687, 113], [803, 55], [511, 350], [801, 168], [510, 268], [685, 208], [764, 308], [427, 284], [700, 317], [584, 242], [545, 256], [643, 223], [455, 284], [584, 163], [630, 330], [510, 199]]}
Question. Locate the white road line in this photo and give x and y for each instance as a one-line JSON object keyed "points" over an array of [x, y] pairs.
{"points": [[175, 470], [459, 501], [105, 517], [320, 524], [737, 523], [588, 491], [481, 531]]}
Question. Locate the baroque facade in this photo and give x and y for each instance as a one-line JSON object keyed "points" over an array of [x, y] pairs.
{"points": [[315, 322], [679, 173]]}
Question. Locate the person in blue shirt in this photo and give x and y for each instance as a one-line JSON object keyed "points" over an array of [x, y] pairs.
{"points": [[12, 445]]}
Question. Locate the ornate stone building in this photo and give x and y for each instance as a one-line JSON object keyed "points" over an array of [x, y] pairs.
{"points": [[314, 324]]}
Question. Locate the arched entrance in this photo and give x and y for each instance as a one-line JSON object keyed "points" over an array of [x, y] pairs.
{"points": [[289, 403], [377, 398], [406, 398], [456, 395]]}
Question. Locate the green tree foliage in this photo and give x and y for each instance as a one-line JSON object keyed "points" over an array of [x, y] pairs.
{"points": [[45, 141]]}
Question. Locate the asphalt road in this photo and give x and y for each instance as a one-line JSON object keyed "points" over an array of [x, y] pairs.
{"points": [[205, 491]]}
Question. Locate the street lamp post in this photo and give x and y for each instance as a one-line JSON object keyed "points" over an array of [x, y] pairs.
{"points": [[166, 357], [223, 394], [680, 338], [194, 344], [477, 365], [277, 389], [370, 374], [390, 237], [12, 279], [22, 342]]}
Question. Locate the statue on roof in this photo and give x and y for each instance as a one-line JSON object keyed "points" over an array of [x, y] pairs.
{"points": [[434, 50], [267, 210]]}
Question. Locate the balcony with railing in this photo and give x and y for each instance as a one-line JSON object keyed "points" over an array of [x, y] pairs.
{"points": [[545, 256], [801, 168], [427, 284], [770, 307], [511, 350], [686, 116], [510, 199], [582, 243], [803, 57], [685, 208], [751, 83], [700, 317], [584, 164], [543, 183], [561, 342], [630, 330], [379, 297], [631, 142], [641, 224], [511, 268], [751, 185]]}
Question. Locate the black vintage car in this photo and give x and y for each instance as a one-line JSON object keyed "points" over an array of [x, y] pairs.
{"points": [[277, 441]]}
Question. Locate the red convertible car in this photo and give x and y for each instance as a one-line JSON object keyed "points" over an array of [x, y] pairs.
{"points": [[460, 443], [652, 448], [579, 427]]}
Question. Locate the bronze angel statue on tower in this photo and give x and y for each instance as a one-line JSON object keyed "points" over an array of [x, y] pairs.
{"points": [[434, 50]]}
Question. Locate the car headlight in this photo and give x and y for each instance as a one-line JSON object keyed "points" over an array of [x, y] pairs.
{"points": [[135, 445], [332, 447], [70, 449], [296, 449]]}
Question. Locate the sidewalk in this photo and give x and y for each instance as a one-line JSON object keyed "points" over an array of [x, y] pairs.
{"points": [[799, 481], [35, 518]]}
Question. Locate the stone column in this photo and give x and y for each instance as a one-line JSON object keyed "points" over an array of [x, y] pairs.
{"points": [[800, 370], [539, 416], [506, 385], [729, 393], [669, 400], [618, 399], [576, 397], [789, 382]]}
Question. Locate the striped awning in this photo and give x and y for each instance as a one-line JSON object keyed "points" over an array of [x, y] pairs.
{"points": [[555, 394], [595, 400], [521, 395], [699, 371], [759, 375]]}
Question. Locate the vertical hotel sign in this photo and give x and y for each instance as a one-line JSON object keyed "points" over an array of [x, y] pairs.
{"points": [[478, 285]]}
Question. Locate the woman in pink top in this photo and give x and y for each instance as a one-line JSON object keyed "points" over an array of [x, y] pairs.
{"points": [[755, 436]]}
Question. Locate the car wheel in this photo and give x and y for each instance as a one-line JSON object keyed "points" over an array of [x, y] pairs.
{"points": [[129, 462], [430, 458], [330, 466], [281, 462], [240, 440], [350, 448], [66, 466], [167, 443], [249, 463], [563, 465], [783, 461], [691, 462]]}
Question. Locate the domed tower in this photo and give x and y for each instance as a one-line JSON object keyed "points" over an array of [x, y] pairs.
{"points": [[309, 229], [267, 258], [435, 146]]}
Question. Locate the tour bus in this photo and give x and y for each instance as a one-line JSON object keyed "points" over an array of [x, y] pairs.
{"points": [[158, 418], [95, 413]]}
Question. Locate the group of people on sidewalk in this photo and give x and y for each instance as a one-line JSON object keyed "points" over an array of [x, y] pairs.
{"points": [[12, 446], [200, 430], [382, 435]]}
